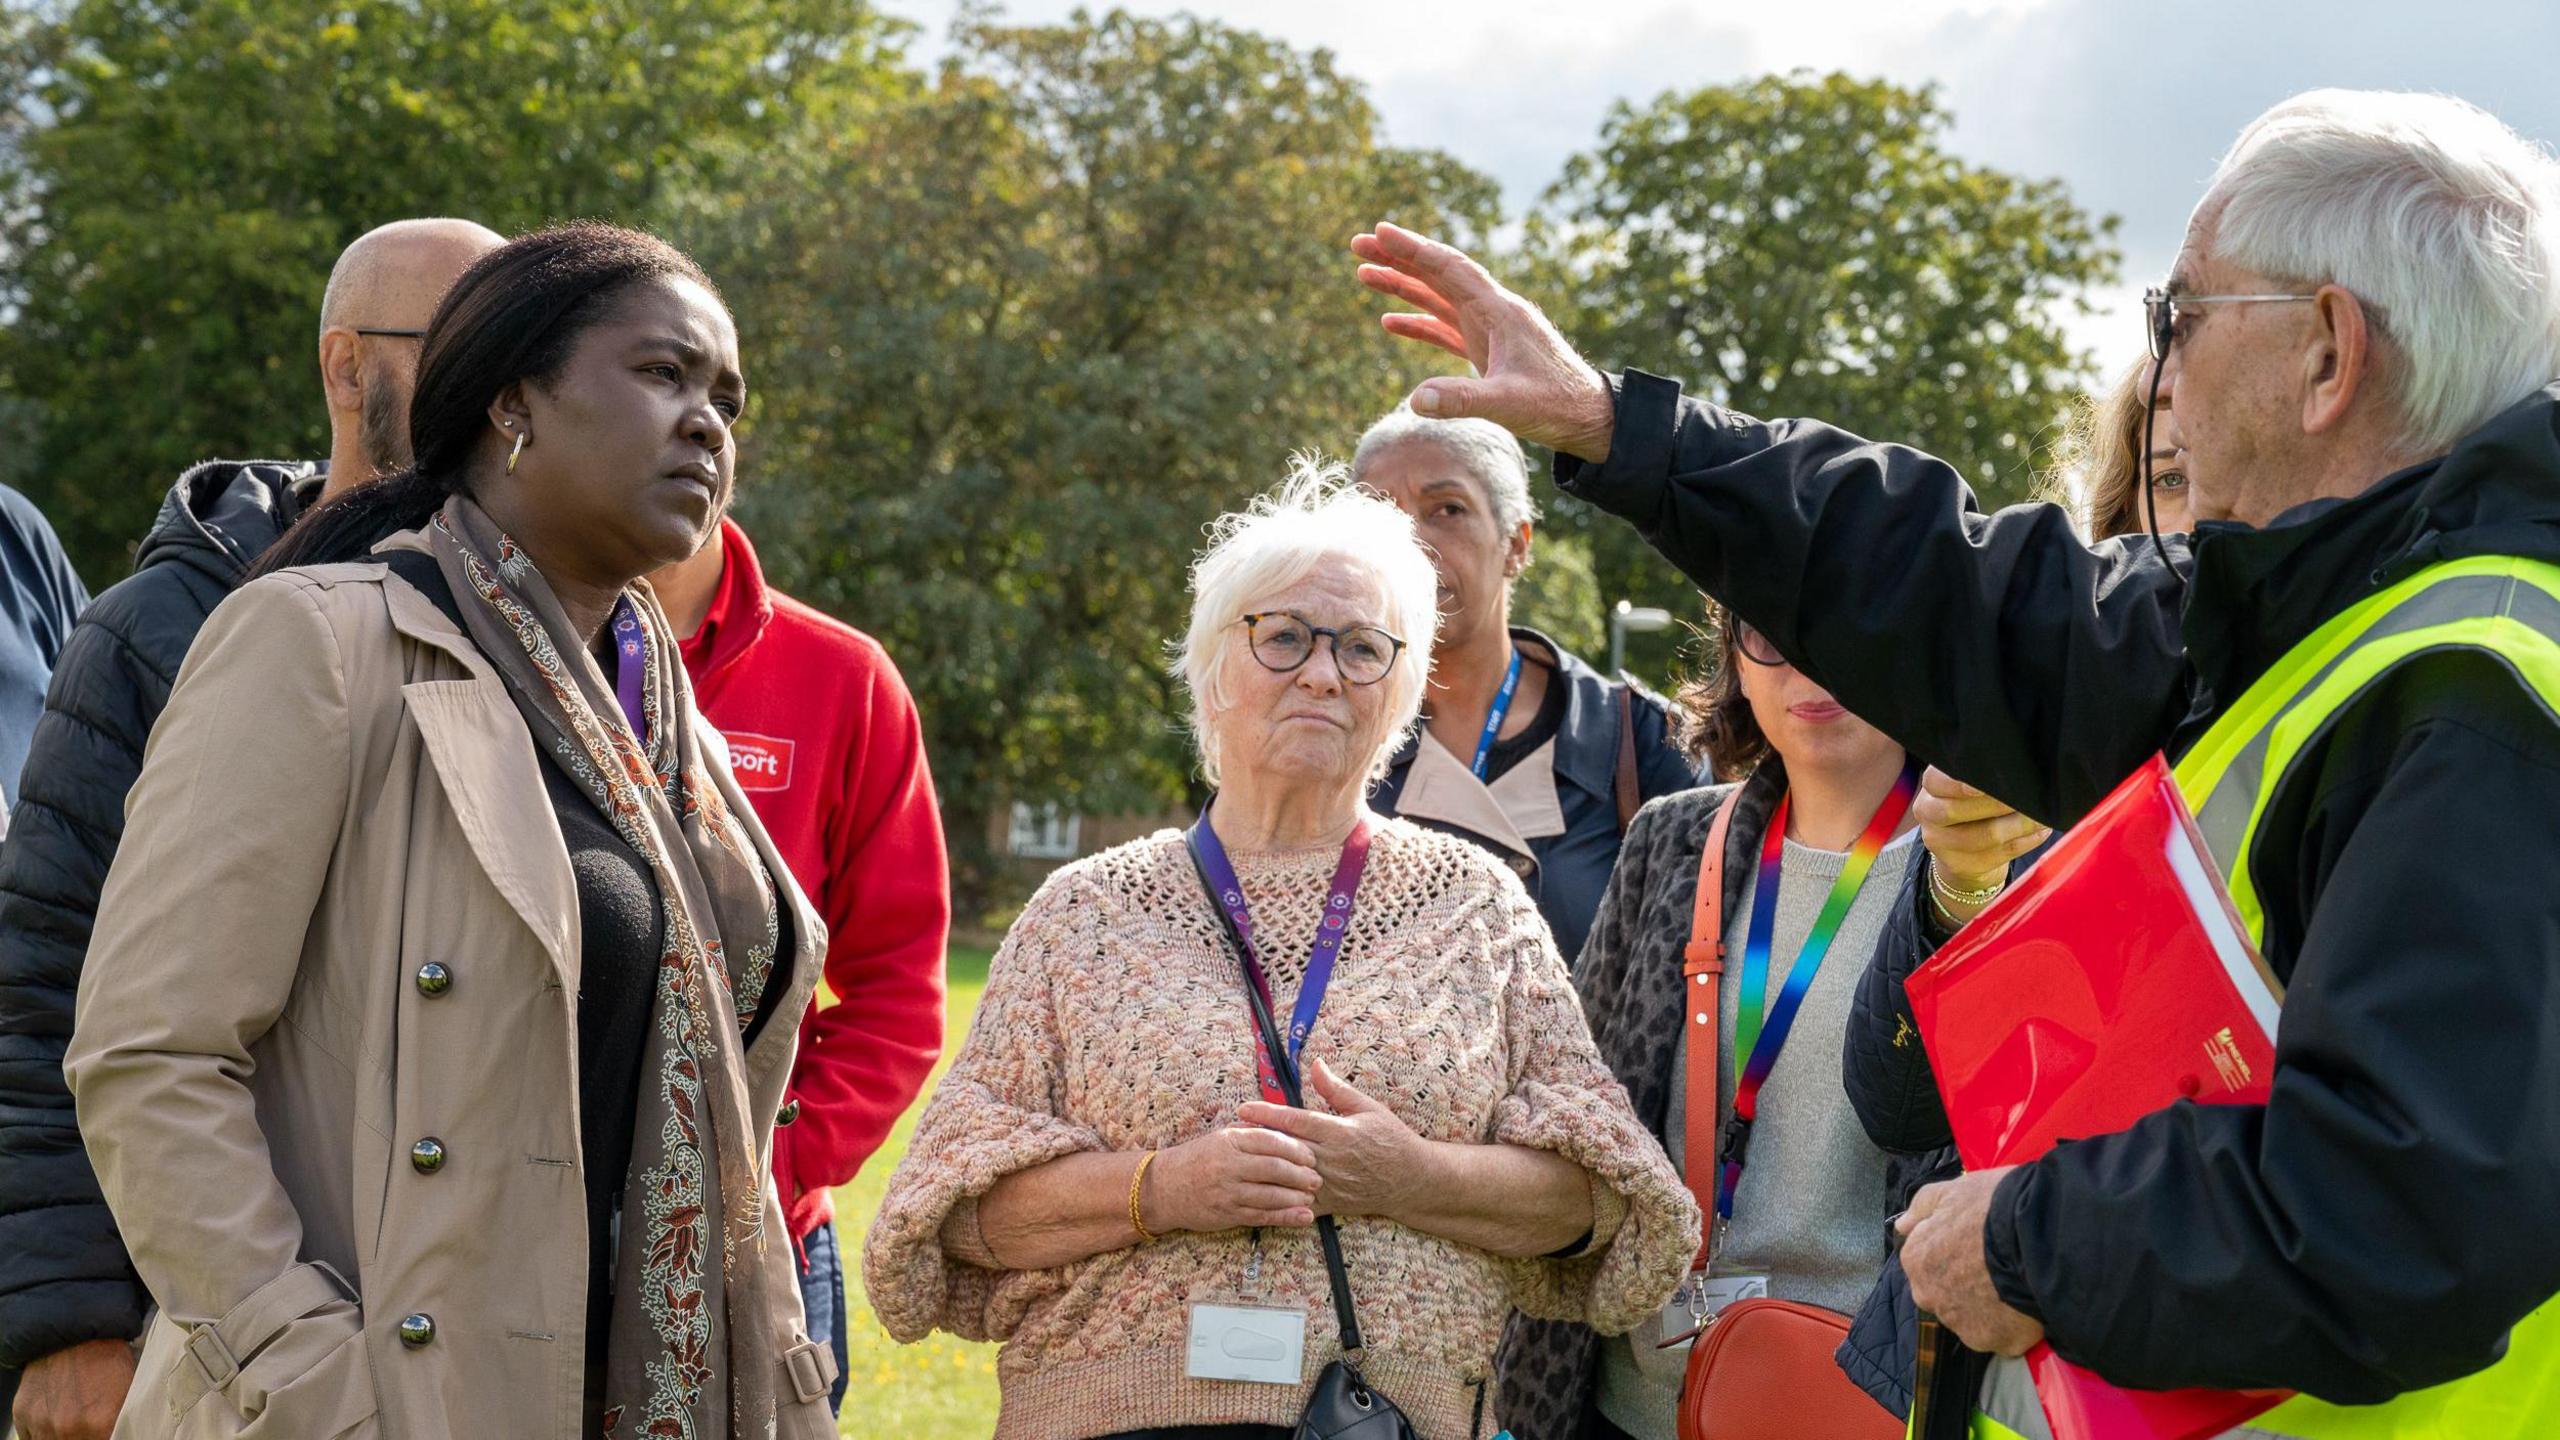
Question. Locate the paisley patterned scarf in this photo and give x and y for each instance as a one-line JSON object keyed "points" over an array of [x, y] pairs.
{"points": [[692, 1354]]}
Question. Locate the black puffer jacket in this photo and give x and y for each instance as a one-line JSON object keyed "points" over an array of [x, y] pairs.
{"points": [[64, 1275], [2383, 1220]]}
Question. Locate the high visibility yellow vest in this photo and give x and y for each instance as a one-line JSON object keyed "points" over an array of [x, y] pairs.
{"points": [[2510, 609]]}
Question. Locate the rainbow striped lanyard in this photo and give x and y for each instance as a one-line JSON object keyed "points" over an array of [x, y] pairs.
{"points": [[1756, 1044]]}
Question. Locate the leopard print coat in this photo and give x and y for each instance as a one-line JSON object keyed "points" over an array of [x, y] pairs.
{"points": [[1629, 980]]}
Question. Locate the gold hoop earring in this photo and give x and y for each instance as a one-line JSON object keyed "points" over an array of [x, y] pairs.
{"points": [[521, 437]]}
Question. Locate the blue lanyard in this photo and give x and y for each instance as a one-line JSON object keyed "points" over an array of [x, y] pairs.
{"points": [[1493, 719], [1319, 977]]}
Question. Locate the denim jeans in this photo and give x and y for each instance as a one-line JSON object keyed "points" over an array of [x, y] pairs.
{"points": [[822, 1296]]}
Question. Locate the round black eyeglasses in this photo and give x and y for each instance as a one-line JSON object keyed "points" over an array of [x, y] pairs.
{"points": [[1283, 642]]}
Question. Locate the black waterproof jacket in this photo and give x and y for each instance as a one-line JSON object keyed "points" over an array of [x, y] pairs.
{"points": [[64, 1274], [2384, 1220]]}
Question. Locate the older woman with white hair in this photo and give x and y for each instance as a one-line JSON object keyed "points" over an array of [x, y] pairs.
{"points": [[1523, 747], [1114, 1179]]}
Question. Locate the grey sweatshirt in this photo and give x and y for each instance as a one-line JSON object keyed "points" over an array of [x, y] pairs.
{"points": [[1811, 1209]]}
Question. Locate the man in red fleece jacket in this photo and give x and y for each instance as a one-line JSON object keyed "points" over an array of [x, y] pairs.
{"points": [[824, 739]]}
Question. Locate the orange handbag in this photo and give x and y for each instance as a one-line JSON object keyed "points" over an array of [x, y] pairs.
{"points": [[1762, 1368]]}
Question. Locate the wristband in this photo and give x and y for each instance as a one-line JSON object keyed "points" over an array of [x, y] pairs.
{"points": [[1137, 1181], [1947, 897]]}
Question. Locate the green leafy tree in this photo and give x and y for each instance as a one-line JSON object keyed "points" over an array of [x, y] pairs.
{"points": [[1017, 338], [1559, 596], [177, 178], [1807, 245]]}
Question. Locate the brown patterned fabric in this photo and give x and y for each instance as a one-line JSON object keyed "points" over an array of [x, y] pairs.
{"points": [[698, 1258], [1629, 982]]}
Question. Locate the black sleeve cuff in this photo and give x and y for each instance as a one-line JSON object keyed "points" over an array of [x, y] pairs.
{"points": [[1640, 448], [55, 1316], [2001, 1244]]}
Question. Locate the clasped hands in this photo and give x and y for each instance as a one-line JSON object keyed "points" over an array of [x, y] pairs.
{"points": [[1279, 1165]]}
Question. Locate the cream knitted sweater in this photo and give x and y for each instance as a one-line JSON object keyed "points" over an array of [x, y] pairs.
{"points": [[1115, 1019]]}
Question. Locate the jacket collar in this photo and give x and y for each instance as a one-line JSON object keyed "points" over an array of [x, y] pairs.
{"points": [[416, 617], [2255, 593], [1521, 805], [740, 609], [222, 514], [1586, 745], [1518, 807]]}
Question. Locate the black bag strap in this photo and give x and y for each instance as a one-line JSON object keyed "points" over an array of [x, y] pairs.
{"points": [[1330, 1239], [427, 578], [1627, 785]]}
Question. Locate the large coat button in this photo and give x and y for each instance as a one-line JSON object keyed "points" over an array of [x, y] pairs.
{"points": [[434, 979], [417, 1331], [427, 1156], [789, 1112]]}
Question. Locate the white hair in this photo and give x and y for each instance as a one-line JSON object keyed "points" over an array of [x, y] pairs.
{"points": [[1317, 515], [2434, 214], [1488, 451]]}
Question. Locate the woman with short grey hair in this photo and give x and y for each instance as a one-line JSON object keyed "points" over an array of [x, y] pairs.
{"points": [[1112, 1179], [1523, 748]]}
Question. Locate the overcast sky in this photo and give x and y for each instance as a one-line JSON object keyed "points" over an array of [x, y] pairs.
{"points": [[2128, 101]]}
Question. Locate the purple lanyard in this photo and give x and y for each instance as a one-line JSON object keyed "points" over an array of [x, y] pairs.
{"points": [[630, 666], [1319, 977]]}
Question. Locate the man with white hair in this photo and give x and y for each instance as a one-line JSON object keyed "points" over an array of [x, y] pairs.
{"points": [[2357, 661], [1523, 749]]}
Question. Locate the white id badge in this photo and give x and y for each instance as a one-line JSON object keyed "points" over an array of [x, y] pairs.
{"points": [[1733, 1287], [1701, 1298], [1247, 1342]]}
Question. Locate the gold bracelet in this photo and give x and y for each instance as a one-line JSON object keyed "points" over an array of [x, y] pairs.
{"points": [[1947, 897], [1137, 1182]]}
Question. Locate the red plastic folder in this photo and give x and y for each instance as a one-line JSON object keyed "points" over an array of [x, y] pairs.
{"points": [[2111, 980]]}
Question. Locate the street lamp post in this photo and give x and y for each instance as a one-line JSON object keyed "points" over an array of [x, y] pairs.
{"points": [[1626, 616]]}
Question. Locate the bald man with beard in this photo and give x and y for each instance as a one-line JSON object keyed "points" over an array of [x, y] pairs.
{"points": [[70, 1303], [373, 316]]}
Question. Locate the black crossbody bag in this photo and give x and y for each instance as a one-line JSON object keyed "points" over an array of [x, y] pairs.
{"points": [[1343, 1405]]}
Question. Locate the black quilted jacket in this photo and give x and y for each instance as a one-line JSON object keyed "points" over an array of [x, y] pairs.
{"points": [[64, 1274], [1887, 1076]]}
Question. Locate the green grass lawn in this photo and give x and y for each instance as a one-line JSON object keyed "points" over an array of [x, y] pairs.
{"points": [[944, 1388]]}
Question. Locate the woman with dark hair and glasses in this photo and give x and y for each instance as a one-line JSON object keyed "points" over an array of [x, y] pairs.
{"points": [[1816, 830], [1108, 1180], [444, 987]]}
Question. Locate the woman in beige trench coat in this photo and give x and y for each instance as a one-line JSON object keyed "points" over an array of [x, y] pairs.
{"points": [[414, 860]]}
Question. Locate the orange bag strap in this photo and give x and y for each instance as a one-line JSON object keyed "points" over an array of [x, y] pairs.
{"points": [[1701, 986]]}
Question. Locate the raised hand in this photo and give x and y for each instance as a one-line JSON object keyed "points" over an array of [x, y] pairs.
{"points": [[1528, 379]]}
